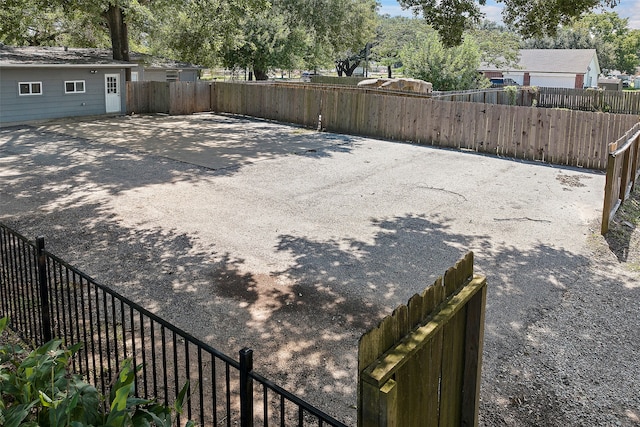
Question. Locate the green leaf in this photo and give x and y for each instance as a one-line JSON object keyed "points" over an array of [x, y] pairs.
{"points": [[3, 323], [89, 404], [136, 401], [116, 418], [73, 402], [143, 417], [179, 403], [140, 419], [45, 400], [14, 416], [122, 388]]}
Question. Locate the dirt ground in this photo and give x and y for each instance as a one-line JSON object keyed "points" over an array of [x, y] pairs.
{"points": [[250, 233]]}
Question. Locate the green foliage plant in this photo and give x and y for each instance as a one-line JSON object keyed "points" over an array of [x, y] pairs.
{"points": [[447, 68], [512, 94], [536, 94], [39, 389]]}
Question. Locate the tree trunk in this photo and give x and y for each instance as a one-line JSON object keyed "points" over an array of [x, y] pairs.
{"points": [[346, 67], [260, 74], [351, 68], [389, 71], [119, 36]]}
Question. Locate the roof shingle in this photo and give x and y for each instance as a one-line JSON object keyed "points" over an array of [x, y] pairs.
{"points": [[573, 61]]}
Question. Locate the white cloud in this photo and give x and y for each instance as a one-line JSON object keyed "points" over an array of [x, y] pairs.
{"points": [[492, 12], [393, 9], [628, 9]]}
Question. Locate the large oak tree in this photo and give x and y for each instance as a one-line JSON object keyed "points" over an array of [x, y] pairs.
{"points": [[530, 18]]}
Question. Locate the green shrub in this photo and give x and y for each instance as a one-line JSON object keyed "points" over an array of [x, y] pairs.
{"points": [[512, 94], [39, 389]]}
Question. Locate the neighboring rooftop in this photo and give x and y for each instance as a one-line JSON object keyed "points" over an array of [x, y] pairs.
{"points": [[550, 60], [158, 62], [38, 56], [47, 56]]}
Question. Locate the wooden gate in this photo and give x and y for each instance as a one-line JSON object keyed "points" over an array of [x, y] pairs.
{"points": [[421, 365]]}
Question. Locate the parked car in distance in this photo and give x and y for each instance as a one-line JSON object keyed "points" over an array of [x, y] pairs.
{"points": [[306, 76], [626, 81], [502, 82]]}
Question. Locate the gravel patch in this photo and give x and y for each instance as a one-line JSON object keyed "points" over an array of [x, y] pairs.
{"points": [[299, 249]]}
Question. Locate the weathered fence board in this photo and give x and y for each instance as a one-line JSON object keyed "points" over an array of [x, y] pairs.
{"points": [[421, 365], [148, 97], [620, 102], [623, 171], [566, 137], [524, 96]]}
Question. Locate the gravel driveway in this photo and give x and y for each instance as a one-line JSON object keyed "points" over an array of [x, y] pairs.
{"points": [[292, 242]]}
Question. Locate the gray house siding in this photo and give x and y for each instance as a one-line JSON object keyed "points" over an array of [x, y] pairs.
{"points": [[153, 75], [54, 102], [160, 75], [189, 76]]}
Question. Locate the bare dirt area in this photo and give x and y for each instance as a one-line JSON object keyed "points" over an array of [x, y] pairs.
{"points": [[294, 243]]}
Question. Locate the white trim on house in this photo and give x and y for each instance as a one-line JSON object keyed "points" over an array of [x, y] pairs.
{"points": [[29, 87], [112, 92], [75, 86]]}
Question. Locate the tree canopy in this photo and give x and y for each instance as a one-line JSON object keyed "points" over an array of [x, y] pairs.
{"points": [[529, 18], [238, 33], [299, 33], [617, 45], [447, 68], [266, 42], [415, 46], [287, 34]]}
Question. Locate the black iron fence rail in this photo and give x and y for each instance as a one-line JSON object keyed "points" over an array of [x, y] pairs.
{"points": [[46, 297]]}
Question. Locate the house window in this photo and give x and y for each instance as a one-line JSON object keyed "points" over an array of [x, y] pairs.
{"points": [[30, 88], [74, 86]]}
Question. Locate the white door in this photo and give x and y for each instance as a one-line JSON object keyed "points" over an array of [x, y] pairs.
{"points": [[112, 93]]}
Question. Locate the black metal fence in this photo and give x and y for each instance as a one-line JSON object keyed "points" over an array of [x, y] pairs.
{"points": [[46, 297]]}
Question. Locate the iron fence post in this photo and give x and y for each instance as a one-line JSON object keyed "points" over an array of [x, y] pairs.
{"points": [[44, 290], [246, 388]]}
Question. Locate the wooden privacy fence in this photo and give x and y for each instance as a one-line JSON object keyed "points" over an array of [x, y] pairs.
{"points": [[564, 137], [523, 97], [420, 367], [609, 101], [623, 170], [574, 138], [171, 98]]}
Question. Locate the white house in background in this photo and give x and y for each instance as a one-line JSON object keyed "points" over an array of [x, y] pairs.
{"points": [[565, 68]]}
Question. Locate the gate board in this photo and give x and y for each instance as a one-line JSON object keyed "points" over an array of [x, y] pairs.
{"points": [[421, 365]]}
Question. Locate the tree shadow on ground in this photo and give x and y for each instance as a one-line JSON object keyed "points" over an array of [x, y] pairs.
{"points": [[341, 288], [217, 142], [56, 171], [304, 321]]}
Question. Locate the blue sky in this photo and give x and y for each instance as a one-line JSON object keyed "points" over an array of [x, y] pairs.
{"points": [[626, 9]]}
